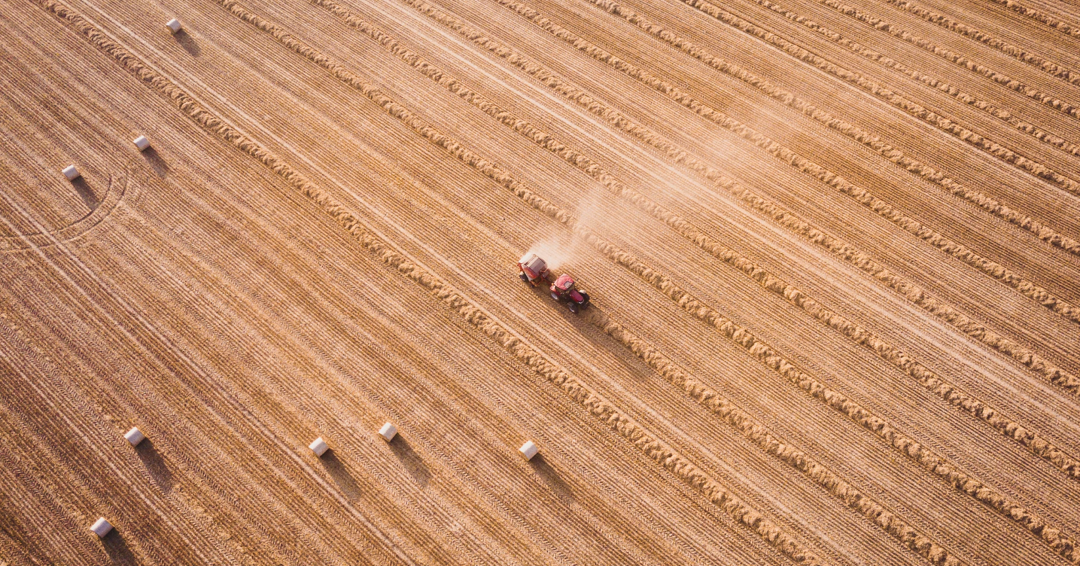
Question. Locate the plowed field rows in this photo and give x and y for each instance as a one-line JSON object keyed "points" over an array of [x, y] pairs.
{"points": [[833, 251]]}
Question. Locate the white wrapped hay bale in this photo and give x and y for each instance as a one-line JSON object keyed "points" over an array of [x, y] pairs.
{"points": [[71, 173], [319, 447], [173, 25], [142, 143], [101, 527], [134, 436], [388, 431], [528, 450]]}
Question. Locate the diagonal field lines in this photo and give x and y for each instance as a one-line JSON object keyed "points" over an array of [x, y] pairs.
{"points": [[829, 246]]}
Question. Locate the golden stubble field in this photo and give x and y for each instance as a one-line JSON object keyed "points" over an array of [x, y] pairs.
{"points": [[831, 248]]}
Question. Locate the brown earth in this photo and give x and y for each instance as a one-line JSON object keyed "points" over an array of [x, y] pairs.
{"points": [[832, 249]]}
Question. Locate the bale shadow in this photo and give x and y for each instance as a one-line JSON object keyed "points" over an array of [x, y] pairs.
{"points": [[117, 549], [86, 193], [337, 470], [551, 477], [417, 468], [158, 164], [188, 43], [155, 464]]}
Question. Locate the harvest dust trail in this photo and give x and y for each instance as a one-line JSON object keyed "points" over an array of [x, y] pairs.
{"points": [[872, 141], [890, 353], [456, 302], [785, 155], [905, 289], [452, 267], [928, 460]]}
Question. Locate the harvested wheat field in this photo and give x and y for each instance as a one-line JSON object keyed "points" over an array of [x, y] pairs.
{"points": [[832, 249]]}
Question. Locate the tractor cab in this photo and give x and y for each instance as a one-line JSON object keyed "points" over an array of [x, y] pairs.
{"points": [[563, 290]]}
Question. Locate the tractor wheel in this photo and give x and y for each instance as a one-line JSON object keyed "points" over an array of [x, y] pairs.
{"points": [[524, 277], [556, 297], [574, 307]]}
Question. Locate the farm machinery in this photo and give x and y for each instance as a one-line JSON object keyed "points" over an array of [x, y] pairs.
{"points": [[535, 272]]}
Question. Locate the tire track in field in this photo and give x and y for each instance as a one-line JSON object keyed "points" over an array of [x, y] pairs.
{"points": [[275, 333], [853, 132], [859, 194], [171, 366], [1039, 16], [217, 494], [755, 432], [136, 496], [911, 107], [599, 407], [144, 74], [869, 140], [794, 296], [193, 450], [738, 335], [1051, 68], [786, 219]]}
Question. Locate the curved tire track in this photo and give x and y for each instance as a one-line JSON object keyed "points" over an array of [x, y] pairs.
{"points": [[452, 299]]}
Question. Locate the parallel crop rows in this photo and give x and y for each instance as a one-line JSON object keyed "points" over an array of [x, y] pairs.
{"points": [[784, 218], [738, 335], [804, 165], [454, 300], [840, 398]]}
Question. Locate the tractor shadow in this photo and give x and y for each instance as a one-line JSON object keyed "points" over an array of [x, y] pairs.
{"points": [[155, 465], [188, 43], [153, 158], [337, 470], [411, 460], [551, 477], [634, 366], [117, 549], [86, 193]]}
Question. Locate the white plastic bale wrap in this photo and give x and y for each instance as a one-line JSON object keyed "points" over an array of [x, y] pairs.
{"points": [[528, 450], [173, 25], [142, 143], [318, 446], [134, 436], [101, 527], [388, 431], [71, 173]]}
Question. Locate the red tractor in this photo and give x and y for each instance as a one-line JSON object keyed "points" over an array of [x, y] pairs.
{"points": [[563, 290], [533, 270]]}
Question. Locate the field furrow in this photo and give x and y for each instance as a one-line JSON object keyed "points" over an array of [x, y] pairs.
{"points": [[830, 249]]}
